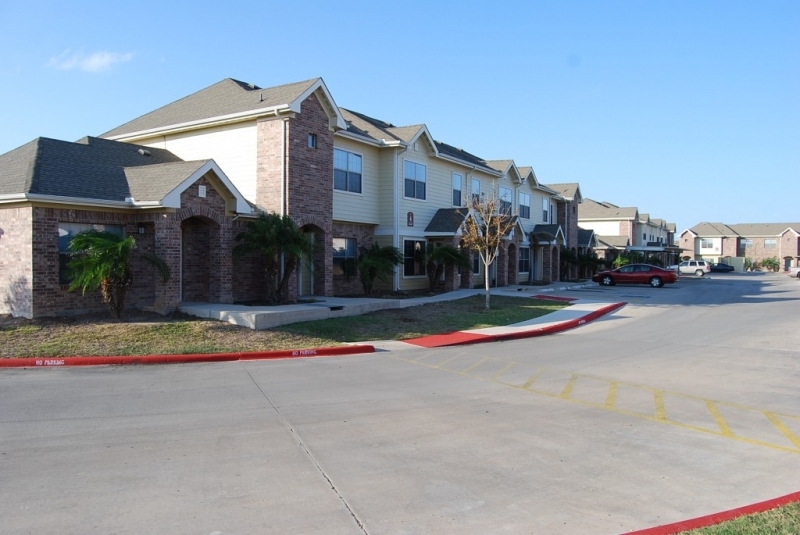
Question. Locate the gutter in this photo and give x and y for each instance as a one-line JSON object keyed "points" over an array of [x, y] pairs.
{"points": [[200, 123]]}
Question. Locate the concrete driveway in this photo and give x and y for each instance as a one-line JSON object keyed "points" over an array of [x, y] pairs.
{"points": [[681, 404]]}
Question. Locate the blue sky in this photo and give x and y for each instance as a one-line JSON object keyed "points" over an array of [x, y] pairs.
{"points": [[688, 110]]}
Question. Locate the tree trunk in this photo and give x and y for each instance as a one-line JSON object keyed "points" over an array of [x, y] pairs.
{"points": [[486, 283]]}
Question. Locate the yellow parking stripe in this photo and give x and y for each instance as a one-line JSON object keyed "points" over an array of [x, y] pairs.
{"points": [[661, 412], [659, 403], [611, 399]]}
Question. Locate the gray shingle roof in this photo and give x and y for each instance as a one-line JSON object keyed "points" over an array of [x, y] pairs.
{"points": [[447, 220], [614, 242], [91, 168], [226, 97], [154, 182], [568, 190], [585, 237], [743, 229], [546, 232], [591, 209]]}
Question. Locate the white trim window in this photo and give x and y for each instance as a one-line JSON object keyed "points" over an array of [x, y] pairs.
{"points": [[505, 200], [414, 258], [524, 205], [770, 243], [476, 263], [346, 171], [546, 210], [524, 259], [415, 175], [476, 190], [457, 191]]}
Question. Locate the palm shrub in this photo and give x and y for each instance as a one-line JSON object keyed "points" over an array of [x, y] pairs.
{"points": [[376, 263], [568, 258], [438, 258], [102, 260], [281, 244], [771, 264]]}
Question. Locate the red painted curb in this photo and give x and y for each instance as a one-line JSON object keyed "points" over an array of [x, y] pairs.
{"points": [[35, 362], [460, 338], [716, 518]]}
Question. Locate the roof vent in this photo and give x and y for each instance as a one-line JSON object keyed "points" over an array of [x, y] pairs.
{"points": [[129, 200], [144, 152]]}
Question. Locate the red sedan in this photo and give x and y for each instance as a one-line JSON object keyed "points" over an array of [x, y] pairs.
{"points": [[637, 274]]}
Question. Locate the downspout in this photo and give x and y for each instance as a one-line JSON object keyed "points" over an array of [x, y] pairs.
{"points": [[283, 167], [396, 208]]}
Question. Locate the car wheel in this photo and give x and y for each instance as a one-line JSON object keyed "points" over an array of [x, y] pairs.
{"points": [[656, 282], [607, 280], [798, 274], [699, 272]]}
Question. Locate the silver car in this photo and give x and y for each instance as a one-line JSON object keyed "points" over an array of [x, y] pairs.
{"points": [[794, 272], [692, 267]]}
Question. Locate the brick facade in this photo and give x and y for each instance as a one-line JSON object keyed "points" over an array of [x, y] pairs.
{"points": [[365, 237], [284, 151], [196, 243], [16, 261]]}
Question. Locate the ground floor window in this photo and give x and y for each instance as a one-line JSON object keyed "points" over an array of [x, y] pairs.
{"points": [[476, 263], [344, 257], [67, 231], [524, 259], [413, 258]]}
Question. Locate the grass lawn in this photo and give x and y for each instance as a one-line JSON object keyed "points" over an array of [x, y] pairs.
{"points": [[144, 334], [781, 521]]}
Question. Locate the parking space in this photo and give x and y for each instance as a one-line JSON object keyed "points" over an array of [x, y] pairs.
{"points": [[726, 420]]}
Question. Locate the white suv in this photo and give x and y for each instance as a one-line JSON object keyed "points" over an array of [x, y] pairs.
{"points": [[696, 267]]}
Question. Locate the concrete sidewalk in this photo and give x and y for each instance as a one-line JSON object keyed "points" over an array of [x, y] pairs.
{"points": [[320, 308]]}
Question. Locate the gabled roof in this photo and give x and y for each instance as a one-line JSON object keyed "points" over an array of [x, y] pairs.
{"points": [[591, 209], [381, 132], [547, 233], [586, 237], [507, 167], [447, 221], [569, 190], [526, 172], [100, 171], [227, 100], [712, 229]]}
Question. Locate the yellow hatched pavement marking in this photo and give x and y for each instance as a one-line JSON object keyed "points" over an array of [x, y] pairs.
{"points": [[660, 413], [724, 428], [772, 417], [570, 386]]}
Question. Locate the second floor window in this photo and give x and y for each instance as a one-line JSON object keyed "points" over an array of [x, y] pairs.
{"points": [[456, 189], [546, 210], [346, 171], [770, 243], [706, 244], [746, 243], [476, 190], [415, 178], [524, 205], [505, 201]]}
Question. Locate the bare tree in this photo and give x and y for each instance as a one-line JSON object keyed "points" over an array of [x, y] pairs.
{"points": [[488, 222]]}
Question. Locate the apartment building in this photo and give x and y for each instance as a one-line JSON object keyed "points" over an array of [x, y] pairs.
{"points": [[625, 229], [348, 180], [731, 244]]}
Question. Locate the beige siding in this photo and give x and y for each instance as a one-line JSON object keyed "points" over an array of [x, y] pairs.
{"points": [[601, 228], [233, 147], [387, 190], [363, 207]]}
